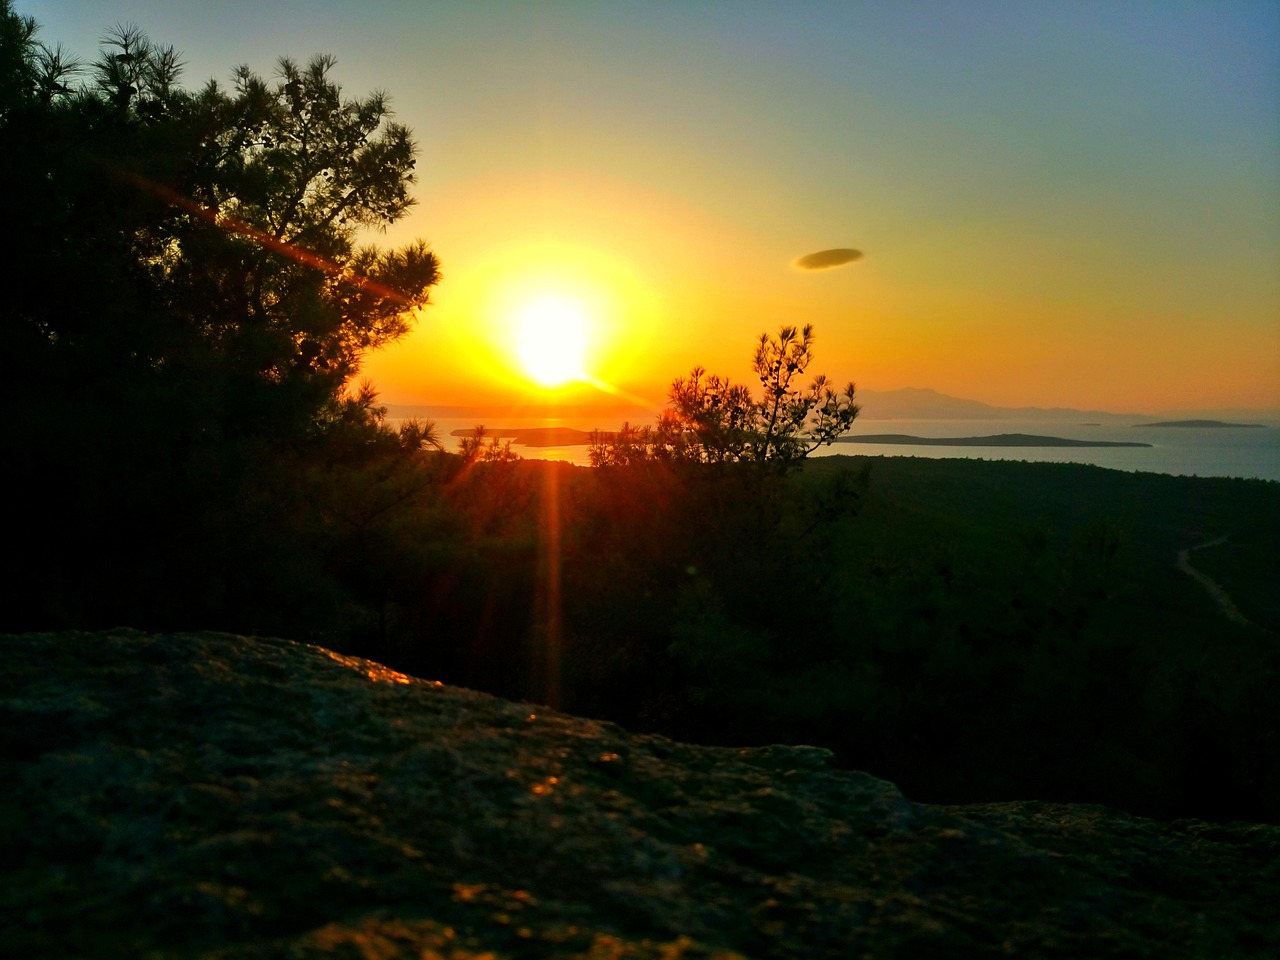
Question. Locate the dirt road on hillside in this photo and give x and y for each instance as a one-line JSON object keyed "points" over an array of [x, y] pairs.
{"points": [[1220, 596]]}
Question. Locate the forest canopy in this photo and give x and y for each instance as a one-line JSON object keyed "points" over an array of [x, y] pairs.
{"points": [[711, 420], [213, 231], [189, 302]]}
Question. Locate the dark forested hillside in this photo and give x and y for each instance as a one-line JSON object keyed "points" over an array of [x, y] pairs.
{"points": [[188, 446], [975, 630]]}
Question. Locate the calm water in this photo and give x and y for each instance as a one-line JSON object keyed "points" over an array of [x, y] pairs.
{"points": [[1187, 451], [1175, 450]]}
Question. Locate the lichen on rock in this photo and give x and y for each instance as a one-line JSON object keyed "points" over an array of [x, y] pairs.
{"points": [[216, 796]]}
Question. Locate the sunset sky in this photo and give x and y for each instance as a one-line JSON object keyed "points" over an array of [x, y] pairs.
{"points": [[1058, 204]]}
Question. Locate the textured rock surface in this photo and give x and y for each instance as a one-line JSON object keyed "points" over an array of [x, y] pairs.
{"points": [[205, 795]]}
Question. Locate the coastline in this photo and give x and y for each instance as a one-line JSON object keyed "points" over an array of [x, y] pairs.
{"points": [[569, 437]]}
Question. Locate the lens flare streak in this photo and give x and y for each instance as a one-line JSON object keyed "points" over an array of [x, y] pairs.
{"points": [[305, 257]]}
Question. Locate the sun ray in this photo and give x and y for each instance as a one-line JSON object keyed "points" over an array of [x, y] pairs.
{"points": [[622, 394]]}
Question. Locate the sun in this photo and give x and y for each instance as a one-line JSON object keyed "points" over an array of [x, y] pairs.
{"points": [[552, 337], [548, 322]]}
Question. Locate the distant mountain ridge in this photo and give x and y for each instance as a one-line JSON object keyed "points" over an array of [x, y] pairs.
{"points": [[906, 403], [921, 403]]}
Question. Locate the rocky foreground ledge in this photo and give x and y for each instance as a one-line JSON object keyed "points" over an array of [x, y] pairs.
{"points": [[214, 796]]}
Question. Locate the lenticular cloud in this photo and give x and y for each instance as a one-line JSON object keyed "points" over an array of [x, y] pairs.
{"points": [[826, 259]]}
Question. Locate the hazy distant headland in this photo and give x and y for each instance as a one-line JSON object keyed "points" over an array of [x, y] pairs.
{"points": [[907, 403], [1201, 424], [920, 403], [996, 440]]}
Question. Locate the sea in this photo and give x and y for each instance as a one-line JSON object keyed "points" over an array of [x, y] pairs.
{"points": [[1249, 452]]}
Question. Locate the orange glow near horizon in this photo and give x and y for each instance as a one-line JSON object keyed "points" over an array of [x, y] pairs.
{"points": [[666, 280], [536, 322]]}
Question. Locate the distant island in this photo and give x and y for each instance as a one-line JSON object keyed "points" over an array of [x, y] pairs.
{"points": [[1213, 424], [538, 436], [567, 437], [906, 403], [998, 440]]}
